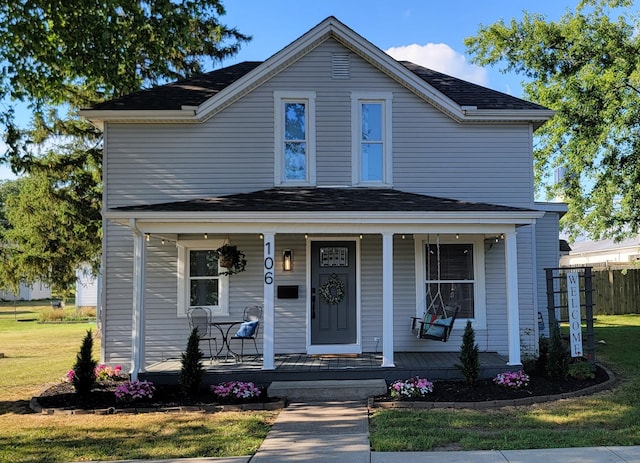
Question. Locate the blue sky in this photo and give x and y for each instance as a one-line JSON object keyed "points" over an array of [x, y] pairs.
{"points": [[427, 32]]}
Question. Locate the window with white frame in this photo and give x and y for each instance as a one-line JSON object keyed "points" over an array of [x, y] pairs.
{"points": [[371, 133], [199, 281], [294, 138], [451, 274]]}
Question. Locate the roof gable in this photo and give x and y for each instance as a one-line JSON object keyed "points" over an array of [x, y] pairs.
{"points": [[198, 98]]}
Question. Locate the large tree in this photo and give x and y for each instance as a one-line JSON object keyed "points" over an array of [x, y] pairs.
{"points": [[58, 56], [585, 66]]}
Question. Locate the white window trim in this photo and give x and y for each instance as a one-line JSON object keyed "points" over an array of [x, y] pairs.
{"points": [[479, 291], [184, 247], [309, 98], [357, 98]]}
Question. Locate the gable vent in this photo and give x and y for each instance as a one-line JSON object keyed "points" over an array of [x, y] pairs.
{"points": [[340, 66]]}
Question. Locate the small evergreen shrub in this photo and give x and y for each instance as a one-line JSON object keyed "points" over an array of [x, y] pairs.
{"points": [[543, 356], [192, 371], [558, 361], [84, 376], [469, 357]]}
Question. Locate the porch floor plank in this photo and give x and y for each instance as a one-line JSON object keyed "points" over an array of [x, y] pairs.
{"points": [[290, 367]]}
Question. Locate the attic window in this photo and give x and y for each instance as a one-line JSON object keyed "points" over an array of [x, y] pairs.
{"points": [[340, 66]]}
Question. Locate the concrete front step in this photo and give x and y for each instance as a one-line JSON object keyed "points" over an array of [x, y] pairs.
{"points": [[327, 390]]}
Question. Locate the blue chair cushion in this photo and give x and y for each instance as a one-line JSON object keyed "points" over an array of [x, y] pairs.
{"points": [[247, 329]]}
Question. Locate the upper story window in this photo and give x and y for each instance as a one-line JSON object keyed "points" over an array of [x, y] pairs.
{"points": [[295, 138], [199, 281], [371, 138]]}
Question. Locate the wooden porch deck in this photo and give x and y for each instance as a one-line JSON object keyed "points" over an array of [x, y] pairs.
{"points": [[301, 367]]}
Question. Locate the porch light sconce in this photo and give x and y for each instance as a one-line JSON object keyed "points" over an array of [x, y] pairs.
{"points": [[287, 260]]}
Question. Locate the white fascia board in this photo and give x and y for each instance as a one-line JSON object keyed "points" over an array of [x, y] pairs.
{"points": [[99, 117], [387, 218], [164, 229]]}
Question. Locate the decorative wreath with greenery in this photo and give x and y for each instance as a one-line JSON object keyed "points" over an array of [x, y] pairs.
{"points": [[332, 291]]}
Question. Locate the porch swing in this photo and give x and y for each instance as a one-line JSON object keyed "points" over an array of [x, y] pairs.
{"points": [[437, 321]]}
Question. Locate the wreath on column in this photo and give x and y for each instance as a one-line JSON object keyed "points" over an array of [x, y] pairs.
{"points": [[332, 291]]}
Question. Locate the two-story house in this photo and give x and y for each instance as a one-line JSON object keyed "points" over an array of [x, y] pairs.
{"points": [[357, 186]]}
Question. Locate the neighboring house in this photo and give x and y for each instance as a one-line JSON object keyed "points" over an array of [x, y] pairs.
{"points": [[365, 171], [603, 253], [32, 292], [87, 288]]}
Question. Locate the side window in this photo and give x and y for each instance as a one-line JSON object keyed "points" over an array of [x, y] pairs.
{"points": [[204, 281], [451, 273], [371, 139], [294, 138], [199, 283]]}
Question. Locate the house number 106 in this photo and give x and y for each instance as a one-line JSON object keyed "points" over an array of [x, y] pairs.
{"points": [[268, 263]]}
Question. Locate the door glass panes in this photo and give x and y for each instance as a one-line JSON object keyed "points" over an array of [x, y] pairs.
{"points": [[371, 143], [204, 284], [295, 141]]}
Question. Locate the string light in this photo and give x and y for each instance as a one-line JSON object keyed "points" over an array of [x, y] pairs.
{"points": [[261, 236], [403, 237], [360, 236], [457, 236], [206, 236], [162, 240], [147, 237]]}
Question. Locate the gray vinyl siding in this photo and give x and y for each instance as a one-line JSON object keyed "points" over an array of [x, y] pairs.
{"points": [[118, 287], [547, 256], [234, 150]]}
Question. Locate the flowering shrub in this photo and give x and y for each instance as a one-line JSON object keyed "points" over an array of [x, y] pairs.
{"points": [[235, 390], [412, 387], [512, 379], [105, 372], [131, 391]]}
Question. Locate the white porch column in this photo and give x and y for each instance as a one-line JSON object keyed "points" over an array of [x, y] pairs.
{"points": [[269, 311], [513, 309], [387, 300], [137, 322]]}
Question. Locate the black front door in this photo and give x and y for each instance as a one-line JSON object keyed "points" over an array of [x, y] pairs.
{"points": [[333, 293]]}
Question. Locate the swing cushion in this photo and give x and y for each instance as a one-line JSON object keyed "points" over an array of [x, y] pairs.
{"points": [[437, 327]]}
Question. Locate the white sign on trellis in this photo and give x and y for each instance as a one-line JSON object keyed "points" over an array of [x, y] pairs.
{"points": [[575, 319]]}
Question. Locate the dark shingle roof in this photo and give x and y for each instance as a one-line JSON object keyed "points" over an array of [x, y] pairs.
{"points": [[188, 92], [196, 90], [320, 200], [466, 93]]}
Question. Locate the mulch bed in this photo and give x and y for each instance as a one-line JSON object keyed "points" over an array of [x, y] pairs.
{"points": [[62, 395], [487, 390], [102, 396]]}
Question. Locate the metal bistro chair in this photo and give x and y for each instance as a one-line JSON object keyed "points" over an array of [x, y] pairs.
{"points": [[200, 318], [249, 328]]}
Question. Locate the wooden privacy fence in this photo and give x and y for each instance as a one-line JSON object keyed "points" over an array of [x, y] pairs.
{"points": [[615, 292]]}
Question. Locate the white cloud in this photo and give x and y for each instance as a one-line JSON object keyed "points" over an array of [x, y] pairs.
{"points": [[442, 58]]}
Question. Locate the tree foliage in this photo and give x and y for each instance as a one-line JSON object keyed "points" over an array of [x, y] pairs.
{"points": [[58, 57], [586, 67]]}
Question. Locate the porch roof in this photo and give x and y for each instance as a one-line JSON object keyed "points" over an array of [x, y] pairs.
{"points": [[322, 200]]}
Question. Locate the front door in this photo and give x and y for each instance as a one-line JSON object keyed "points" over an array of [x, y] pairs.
{"points": [[333, 295]]}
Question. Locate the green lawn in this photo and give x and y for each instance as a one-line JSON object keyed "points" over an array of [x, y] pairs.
{"points": [[607, 418], [36, 354]]}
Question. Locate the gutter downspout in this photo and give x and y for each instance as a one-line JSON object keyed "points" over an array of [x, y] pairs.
{"points": [[137, 321]]}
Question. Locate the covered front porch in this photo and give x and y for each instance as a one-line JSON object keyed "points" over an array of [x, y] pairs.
{"points": [[435, 366]]}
